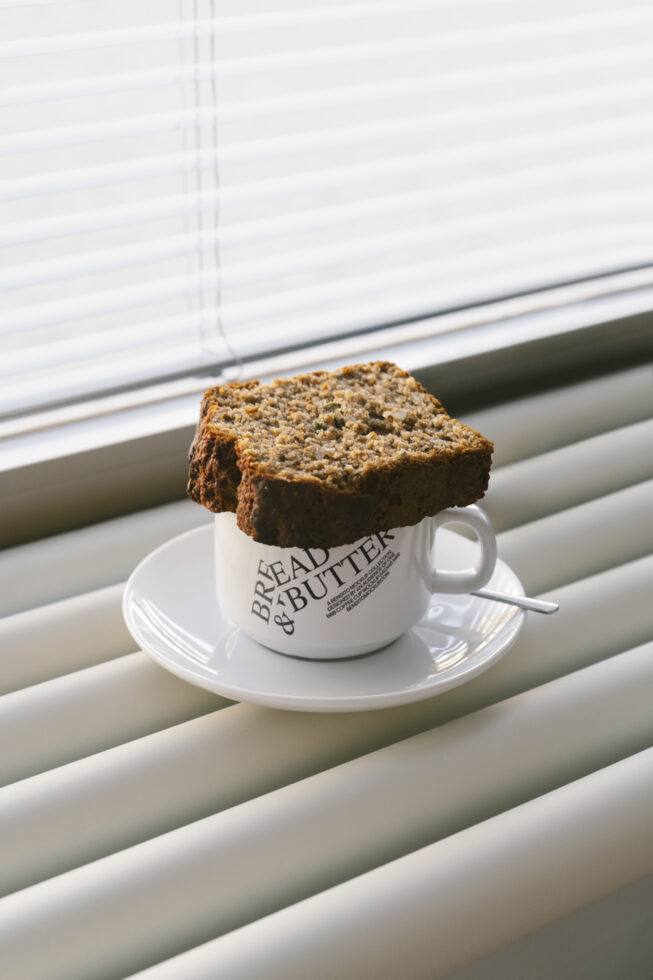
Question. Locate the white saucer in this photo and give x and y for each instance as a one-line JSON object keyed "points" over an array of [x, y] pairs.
{"points": [[171, 611]]}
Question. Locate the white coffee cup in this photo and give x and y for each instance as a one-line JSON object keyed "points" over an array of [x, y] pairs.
{"points": [[341, 602]]}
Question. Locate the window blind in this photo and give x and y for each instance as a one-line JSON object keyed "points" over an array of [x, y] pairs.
{"points": [[501, 829], [187, 184]]}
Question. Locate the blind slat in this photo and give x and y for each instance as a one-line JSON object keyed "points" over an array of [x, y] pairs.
{"points": [[139, 360], [574, 412], [432, 906], [617, 96], [628, 205], [77, 711], [134, 789], [177, 145], [145, 333], [165, 336], [626, 56], [43, 643], [92, 709], [573, 475], [582, 540], [489, 264], [205, 27], [90, 558], [134, 792], [380, 809], [578, 135], [605, 20], [353, 817], [611, 165]]}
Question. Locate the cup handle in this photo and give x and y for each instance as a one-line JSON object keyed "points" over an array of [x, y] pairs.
{"points": [[469, 579]]}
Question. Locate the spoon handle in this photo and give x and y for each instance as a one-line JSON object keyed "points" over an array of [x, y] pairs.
{"points": [[524, 602]]}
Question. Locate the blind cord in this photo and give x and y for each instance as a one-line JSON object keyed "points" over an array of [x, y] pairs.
{"points": [[214, 326]]}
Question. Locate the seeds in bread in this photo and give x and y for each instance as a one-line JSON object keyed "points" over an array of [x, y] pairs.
{"points": [[323, 459]]}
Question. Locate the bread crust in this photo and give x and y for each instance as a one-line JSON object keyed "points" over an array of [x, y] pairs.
{"points": [[306, 512]]}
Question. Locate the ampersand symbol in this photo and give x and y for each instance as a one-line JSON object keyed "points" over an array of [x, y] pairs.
{"points": [[286, 623]]}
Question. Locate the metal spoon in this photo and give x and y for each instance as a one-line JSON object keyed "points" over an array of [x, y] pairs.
{"points": [[523, 601]]}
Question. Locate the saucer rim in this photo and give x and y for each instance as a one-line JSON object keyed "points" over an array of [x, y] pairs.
{"points": [[321, 703]]}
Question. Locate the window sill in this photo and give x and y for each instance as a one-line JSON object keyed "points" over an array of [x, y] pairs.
{"points": [[71, 467]]}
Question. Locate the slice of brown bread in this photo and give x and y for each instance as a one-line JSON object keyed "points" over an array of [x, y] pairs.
{"points": [[323, 459]]}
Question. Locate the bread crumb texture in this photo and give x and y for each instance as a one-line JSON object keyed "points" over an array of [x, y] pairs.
{"points": [[338, 433], [334, 427]]}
